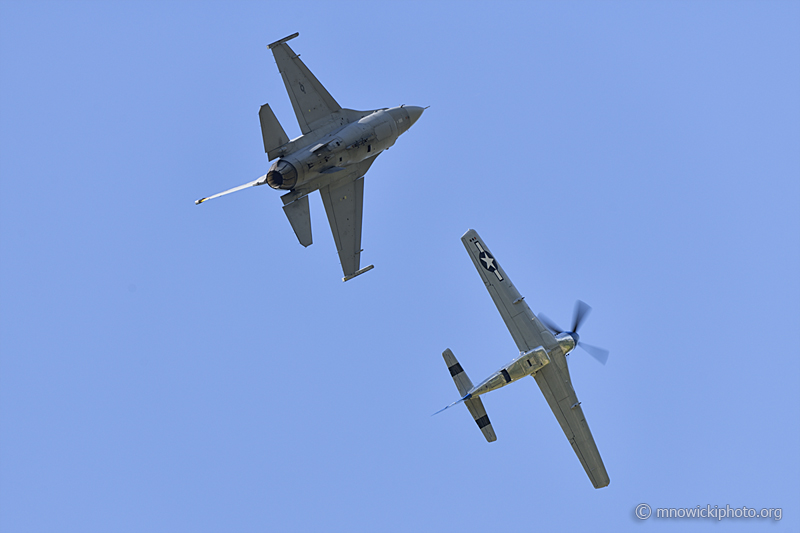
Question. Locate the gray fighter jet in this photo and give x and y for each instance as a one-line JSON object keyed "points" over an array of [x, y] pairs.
{"points": [[332, 155], [542, 354]]}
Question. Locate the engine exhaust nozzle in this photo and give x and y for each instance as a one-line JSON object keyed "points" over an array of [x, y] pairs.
{"points": [[282, 175]]}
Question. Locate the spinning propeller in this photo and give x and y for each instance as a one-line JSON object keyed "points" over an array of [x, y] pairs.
{"points": [[580, 313]]}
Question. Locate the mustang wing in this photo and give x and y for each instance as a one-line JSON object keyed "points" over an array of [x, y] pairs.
{"points": [[563, 401], [525, 328]]}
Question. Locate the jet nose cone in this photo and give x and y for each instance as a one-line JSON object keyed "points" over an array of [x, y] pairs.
{"points": [[414, 112]]}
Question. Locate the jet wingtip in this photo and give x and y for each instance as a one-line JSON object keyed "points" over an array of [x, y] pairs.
{"points": [[281, 41], [358, 273]]}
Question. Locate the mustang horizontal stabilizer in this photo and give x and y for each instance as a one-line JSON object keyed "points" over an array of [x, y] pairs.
{"points": [[475, 406], [464, 385], [310, 100]]}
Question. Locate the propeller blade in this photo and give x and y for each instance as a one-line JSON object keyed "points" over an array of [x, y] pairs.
{"points": [[550, 324], [582, 310], [598, 353], [260, 181]]}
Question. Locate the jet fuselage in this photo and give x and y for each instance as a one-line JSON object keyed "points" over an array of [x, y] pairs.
{"points": [[350, 144]]}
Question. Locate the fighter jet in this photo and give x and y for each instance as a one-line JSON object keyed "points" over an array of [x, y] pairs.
{"points": [[543, 348], [333, 154]]}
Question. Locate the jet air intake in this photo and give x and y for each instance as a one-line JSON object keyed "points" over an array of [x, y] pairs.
{"points": [[282, 175]]}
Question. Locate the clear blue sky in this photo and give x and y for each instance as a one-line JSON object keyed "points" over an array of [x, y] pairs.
{"points": [[168, 367]]}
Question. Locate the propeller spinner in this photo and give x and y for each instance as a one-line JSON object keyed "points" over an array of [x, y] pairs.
{"points": [[579, 314]]}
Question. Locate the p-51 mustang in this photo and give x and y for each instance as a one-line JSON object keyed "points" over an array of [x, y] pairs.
{"points": [[332, 155], [542, 354]]}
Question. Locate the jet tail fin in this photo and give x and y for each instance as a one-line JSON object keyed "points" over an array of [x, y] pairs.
{"points": [[475, 405], [271, 132]]}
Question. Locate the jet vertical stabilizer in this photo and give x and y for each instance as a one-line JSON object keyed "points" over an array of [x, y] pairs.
{"points": [[272, 132]]}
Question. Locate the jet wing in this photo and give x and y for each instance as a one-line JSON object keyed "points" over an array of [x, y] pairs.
{"points": [[310, 100], [523, 325], [343, 198]]}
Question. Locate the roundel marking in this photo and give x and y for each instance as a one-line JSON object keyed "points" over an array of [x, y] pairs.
{"points": [[487, 261]]}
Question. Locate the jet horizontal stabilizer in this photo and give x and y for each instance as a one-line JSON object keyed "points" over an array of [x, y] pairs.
{"points": [[300, 218]]}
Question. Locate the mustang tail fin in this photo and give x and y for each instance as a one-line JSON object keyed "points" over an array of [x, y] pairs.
{"points": [[475, 405]]}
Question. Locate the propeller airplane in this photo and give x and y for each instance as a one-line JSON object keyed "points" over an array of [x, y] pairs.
{"points": [[543, 348]]}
